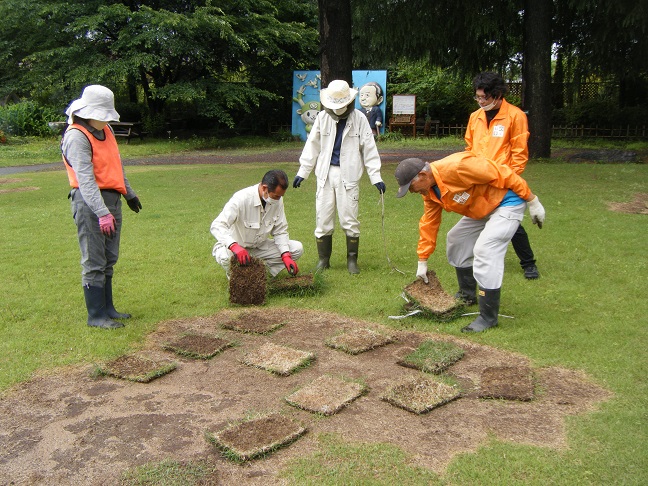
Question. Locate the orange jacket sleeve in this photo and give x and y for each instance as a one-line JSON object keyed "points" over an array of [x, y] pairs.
{"points": [[429, 227]]}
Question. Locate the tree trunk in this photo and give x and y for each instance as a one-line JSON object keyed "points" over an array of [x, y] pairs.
{"points": [[335, 41], [537, 74]]}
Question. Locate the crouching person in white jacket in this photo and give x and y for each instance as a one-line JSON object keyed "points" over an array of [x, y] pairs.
{"points": [[253, 224]]}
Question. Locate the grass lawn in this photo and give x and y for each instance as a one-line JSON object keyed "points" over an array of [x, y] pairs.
{"points": [[587, 311]]}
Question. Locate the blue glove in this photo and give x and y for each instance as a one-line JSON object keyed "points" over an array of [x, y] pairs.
{"points": [[297, 182], [381, 187]]}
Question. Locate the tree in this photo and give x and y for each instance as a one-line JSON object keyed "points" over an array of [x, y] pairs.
{"points": [[208, 60], [537, 75], [335, 41]]}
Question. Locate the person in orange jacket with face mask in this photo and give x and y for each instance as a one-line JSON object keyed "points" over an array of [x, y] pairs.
{"points": [[499, 131], [492, 198]]}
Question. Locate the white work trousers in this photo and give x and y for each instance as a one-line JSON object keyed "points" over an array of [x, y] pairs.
{"points": [[268, 252], [482, 244], [344, 195]]}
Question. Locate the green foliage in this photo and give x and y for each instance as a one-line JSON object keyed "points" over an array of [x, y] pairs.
{"points": [[27, 118], [211, 61], [600, 113], [440, 94]]}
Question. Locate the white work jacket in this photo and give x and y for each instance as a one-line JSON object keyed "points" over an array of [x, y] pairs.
{"points": [[358, 150], [243, 220]]}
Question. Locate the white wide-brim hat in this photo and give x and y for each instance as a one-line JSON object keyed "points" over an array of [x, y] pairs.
{"points": [[337, 95], [96, 103]]}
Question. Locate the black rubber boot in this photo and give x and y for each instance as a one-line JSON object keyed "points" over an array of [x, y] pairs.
{"points": [[467, 285], [95, 299], [110, 307], [489, 302], [324, 249], [352, 253]]}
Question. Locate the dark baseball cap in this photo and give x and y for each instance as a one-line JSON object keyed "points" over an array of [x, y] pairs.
{"points": [[406, 171]]}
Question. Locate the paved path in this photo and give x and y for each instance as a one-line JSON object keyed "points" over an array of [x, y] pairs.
{"points": [[394, 155]]}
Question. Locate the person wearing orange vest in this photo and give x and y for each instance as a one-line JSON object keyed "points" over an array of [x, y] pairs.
{"points": [[499, 131], [492, 199], [96, 175]]}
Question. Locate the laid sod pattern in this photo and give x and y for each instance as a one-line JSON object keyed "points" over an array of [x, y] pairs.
{"points": [[299, 285], [257, 437], [136, 368], [433, 302], [198, 346], [256, 322], [277, 359], [433, 356], [358, 341], [420, 395], [507, 382], [326, 395], [247, 284]]}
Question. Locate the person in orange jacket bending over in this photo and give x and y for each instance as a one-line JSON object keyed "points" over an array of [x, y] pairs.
{"points": [[499, 131], [492, 198]]}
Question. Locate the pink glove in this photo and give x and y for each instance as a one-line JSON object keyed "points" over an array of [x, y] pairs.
{"points": [[241, 253], [291, 266], [107, 224]]}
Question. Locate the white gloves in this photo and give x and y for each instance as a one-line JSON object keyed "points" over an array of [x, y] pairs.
{"points": [[421, 272], [536, 211]]}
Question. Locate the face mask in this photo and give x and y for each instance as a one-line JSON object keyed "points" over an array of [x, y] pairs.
{"points": [[340, 111], [269, 201], [489, 107]]}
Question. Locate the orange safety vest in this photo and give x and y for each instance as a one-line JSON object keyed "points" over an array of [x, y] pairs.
{"points": [[106, 161]]}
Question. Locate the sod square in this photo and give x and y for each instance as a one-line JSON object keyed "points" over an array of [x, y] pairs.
{"points": [[326, 395], [420, 395], [256, 322], [136, 368], [247, 284], [433, 356], [256, 437], [358, 341], [432, 300], [277, 359], [198, 346], [507, 382]]}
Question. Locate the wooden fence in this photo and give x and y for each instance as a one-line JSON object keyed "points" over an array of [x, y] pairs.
{"points": [[557, 131]]}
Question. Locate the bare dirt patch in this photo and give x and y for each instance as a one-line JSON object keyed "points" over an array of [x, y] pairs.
{"points": [[639, 205], [507, 382], [254, 321], [71, 427], [19, 189]]}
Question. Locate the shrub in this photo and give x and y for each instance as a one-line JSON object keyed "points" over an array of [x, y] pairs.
{"points": [[27, 118], [3, 137]]}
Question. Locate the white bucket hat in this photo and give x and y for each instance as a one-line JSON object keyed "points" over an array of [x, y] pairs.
{"points": [[96, 103], [337, 95]]}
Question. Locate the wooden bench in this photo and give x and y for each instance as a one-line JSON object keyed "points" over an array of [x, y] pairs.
{"points": [[400, 121], [128, 130]]}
